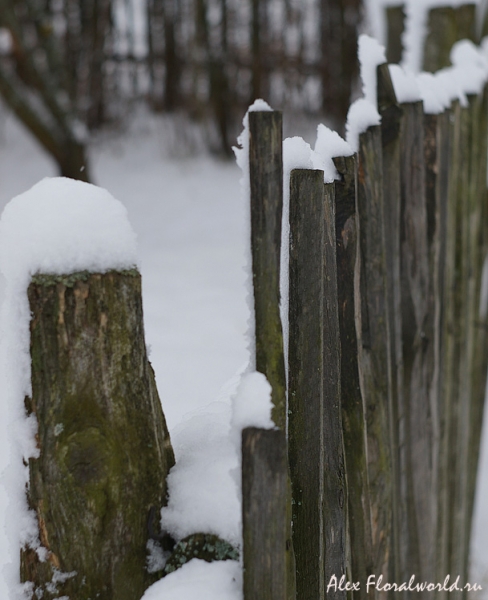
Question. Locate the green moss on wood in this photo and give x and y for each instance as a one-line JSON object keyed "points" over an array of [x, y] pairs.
{"points": [[204, 546], [266, 182], [104, 446]]}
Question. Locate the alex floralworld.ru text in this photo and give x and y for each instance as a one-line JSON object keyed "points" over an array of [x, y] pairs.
{"points": [[376, 583]]}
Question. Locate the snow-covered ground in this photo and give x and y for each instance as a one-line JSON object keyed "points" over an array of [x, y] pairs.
{"points": [[191, 226]]}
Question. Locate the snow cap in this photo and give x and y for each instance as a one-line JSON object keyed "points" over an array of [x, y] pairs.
{"points": [[62, 226]]}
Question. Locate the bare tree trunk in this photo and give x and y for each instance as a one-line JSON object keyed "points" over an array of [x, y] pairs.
{"points": [[258, 49], [73, 162]]}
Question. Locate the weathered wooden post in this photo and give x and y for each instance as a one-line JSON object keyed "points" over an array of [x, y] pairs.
{"points": [[264, 513], [469, 197], [479, 366], [416, 467], [104, 446], [391, 114], [315, 423], [454, 326], [437, 163], [353, 417], [374, 345], [266, 182], [266, 186]]}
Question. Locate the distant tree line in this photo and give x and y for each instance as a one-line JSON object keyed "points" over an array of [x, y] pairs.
{"points": [[68, 67]]}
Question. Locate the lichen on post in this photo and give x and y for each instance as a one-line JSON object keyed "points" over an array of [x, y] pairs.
{"points": [[104, 445]]}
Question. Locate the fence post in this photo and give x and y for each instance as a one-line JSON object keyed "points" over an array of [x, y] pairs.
{"points": [[264, 511], [374, 346], [266, 185], [391, 114], [266, 182], [456, 322], [416, 471], [469, 198], [437, 147], [480, 338], [104, 446], [315, 424], [353, 417]]}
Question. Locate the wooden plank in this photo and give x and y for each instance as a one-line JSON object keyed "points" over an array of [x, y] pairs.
{"points": [[450, 356], [391, 115], [264, 499], [266, 182], [480, 321], [315, 425], [456, 322], [416, 472], [470, 216], [437, 165], [353, 417], [470, 397], [374, 346]]}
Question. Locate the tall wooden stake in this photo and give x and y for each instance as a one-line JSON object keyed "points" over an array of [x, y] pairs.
{"points": [[315, 422]]}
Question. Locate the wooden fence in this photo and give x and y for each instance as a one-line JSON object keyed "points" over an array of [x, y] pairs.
{"points": [[387, 358], [371, 470]]}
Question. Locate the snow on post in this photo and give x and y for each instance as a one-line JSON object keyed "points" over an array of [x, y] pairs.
{"points": [[260, 158], [363, 113], [80, 405]]}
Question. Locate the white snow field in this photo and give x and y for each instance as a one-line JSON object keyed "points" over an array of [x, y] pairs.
{"points": [[191, 225]]}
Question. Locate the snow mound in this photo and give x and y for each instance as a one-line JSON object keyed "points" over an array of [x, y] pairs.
{"points": [[362, 115], [252, 404], [62, 226], [371, 54], [406, 86], [199, 580], [202, 491], [363, 112]]}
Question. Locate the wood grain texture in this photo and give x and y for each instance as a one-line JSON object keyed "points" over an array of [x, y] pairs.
{"points": [[416, 471], [104, 446], [266, 181], [266, 185], [470, 393], [437, 154], [353, 414], [264, 510], [391, 116], [374, 346], [479, 240], [316, 452], [456, 321]]}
